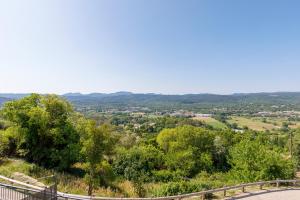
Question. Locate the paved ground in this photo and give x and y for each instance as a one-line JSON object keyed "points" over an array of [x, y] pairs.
{"points": [[284, 194]]}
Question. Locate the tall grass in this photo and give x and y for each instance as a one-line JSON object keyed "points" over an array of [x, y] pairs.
{"points": [[67, 182]]}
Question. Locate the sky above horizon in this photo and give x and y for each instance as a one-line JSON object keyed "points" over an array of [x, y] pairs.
{"points": [[161, 46]]}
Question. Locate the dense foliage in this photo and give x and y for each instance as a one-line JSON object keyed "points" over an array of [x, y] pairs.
{"points": [[188, 149], [96, 142], [253, 161], [44, 130], [177, 154]]}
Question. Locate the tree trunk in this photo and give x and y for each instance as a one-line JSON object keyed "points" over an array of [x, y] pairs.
{"points": [[90, 190]]}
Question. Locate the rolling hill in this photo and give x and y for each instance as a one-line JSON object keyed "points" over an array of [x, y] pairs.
{"points": [[260, 101], [3, 100]]}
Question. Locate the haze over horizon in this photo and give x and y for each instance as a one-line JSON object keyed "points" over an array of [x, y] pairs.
{"points": [[168, 47], [4, 94]]}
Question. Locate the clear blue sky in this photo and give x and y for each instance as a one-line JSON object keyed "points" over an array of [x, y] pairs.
{"points": [[162, 46]]}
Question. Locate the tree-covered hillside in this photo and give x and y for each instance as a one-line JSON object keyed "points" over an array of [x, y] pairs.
{"points": [[253, 102], [168, 156]]}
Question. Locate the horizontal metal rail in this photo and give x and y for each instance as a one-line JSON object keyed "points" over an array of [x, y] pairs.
{"points": [[18, 188], [195, 194], [9, 192], [66, 196], [20, 183]]}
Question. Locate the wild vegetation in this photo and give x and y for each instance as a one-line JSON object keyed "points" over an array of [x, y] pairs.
{"points": [[121, 154]]}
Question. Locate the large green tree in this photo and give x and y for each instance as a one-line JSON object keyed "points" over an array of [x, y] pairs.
{"points": [[188, 149], [97, 142], [253, 160], [47, 135], [137, 164]]}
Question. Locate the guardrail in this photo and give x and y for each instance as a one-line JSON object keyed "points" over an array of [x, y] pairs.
{"points": [[202, 194], [12, 181], [9, 192], [27, 192]]}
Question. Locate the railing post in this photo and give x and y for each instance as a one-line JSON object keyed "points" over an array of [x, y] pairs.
{"points": [[277, 183], [45, 194], [224, 193], [26, 194], [243, 189], [261, 186], [203, 196]]}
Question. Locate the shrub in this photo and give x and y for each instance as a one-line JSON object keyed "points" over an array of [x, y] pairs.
{"points": [[254, 161], [138, 162], [137, 165], [9, 140], [4, 144], [181, 187], [167, 176]]}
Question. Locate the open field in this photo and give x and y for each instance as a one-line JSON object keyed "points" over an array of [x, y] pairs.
{"points": [[212, 122], [278, 121], [262, 124], [252, 123]]}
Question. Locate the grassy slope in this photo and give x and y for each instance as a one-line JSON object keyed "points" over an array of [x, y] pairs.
{"points": [[212, 122], [71, 184], [66, 182]]}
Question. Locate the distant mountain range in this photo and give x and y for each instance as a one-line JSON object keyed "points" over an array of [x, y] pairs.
{"points": [[150, 99], [3, 100]]}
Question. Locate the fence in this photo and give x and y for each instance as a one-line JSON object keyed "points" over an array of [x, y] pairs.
{"points": [[9, 192], [202, 194]]}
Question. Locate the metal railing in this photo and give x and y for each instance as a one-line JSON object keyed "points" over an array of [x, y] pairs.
{"points": [[202, 194], [9, 192], [25, 191]]}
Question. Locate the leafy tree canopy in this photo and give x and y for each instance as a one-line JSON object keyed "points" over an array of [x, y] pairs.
{"points": [[47, 135], [253, 161], [188, 148]]}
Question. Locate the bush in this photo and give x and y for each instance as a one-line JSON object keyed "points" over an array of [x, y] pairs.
{"points": [[166, 176], [181, 187], [4, 124], [4, 144], [138, 163], [8, 142], [217, 180], [254, 161]]}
